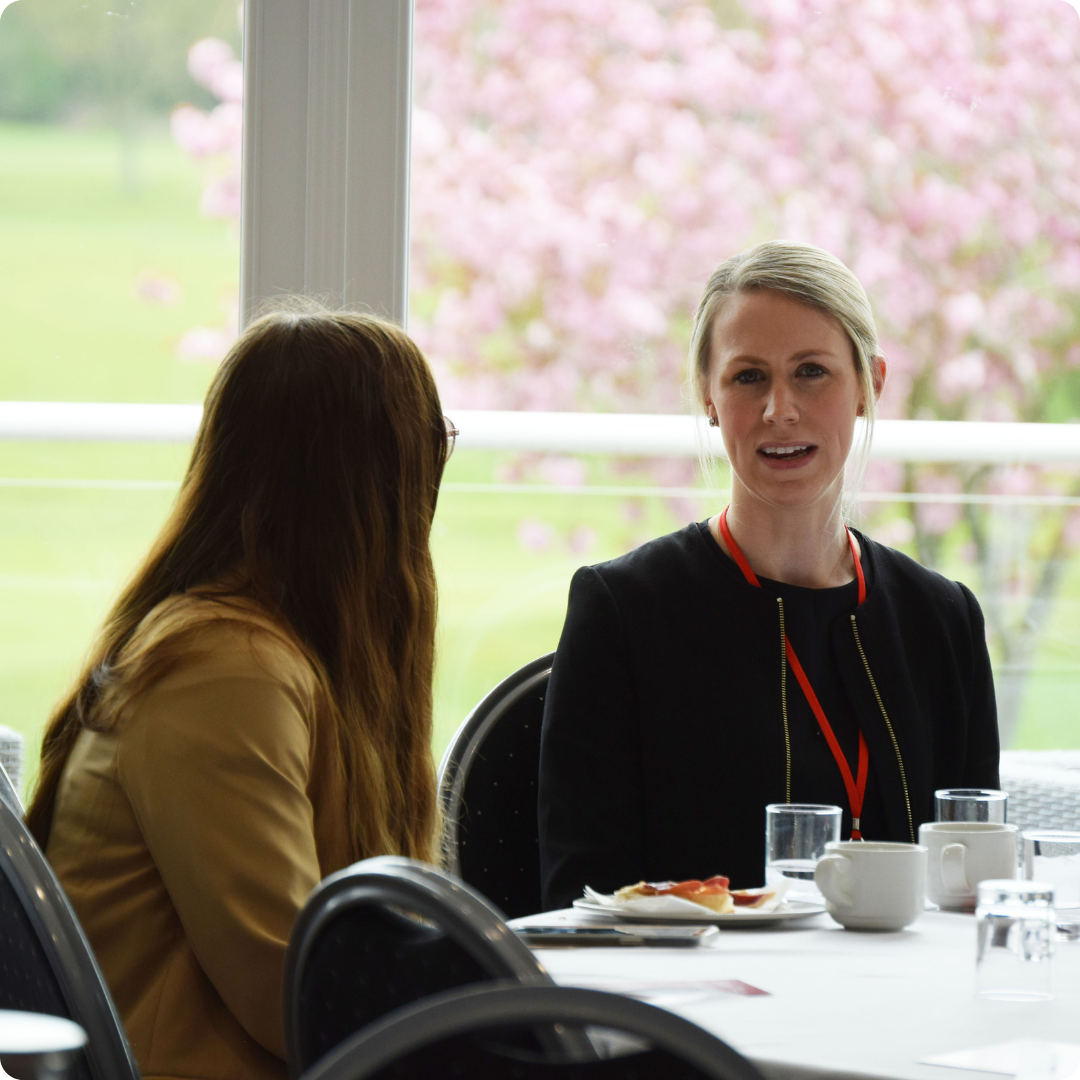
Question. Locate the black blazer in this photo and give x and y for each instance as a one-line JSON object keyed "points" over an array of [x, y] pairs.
{"points": [[663, 734]]}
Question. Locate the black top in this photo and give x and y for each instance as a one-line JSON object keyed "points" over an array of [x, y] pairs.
{"points": [[815, 776], [663, 727]]}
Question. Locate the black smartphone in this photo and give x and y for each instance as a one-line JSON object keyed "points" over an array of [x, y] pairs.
{"points": [[583, 936]]}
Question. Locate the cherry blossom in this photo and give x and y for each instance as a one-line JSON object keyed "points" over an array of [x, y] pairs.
{"points": [[215, 137], [213, 64], [582, 539], [153, 287], [534, 535], [579, 168]]}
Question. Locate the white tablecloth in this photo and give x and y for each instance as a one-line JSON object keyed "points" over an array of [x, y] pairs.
{"points": [[838, 1002]]}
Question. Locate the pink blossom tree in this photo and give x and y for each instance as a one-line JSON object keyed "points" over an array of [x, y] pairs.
{"points": [[580, 168], [214, 138]]}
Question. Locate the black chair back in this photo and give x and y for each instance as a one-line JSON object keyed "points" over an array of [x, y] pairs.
{"points": [[383, 933], [455, 1033], [487, 786], [46, 964]]}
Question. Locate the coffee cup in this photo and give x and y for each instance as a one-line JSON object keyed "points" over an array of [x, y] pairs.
{"points": [[963, 853], [871, 885]]}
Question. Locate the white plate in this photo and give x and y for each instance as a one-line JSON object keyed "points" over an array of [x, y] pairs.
{"points": [[791, 909]]}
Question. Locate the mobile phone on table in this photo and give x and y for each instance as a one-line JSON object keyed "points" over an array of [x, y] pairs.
{"points": [[583, 936]]}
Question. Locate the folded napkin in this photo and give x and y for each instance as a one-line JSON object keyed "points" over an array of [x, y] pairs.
{"points": [[660, 906]]}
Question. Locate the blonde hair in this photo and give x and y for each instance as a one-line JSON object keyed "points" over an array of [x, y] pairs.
{"points": [[808, 275]]}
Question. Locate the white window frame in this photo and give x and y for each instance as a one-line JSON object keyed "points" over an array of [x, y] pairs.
{"points": [[327, 103]]}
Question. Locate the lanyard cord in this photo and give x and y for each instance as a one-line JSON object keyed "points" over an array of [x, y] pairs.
{"points": [[856, 789]]}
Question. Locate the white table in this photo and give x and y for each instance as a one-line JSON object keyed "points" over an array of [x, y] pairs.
{"points": [[839, 1003]]}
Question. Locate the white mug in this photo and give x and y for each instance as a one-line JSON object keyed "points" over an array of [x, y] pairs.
{"points": [[963, 853], [870, 885]]}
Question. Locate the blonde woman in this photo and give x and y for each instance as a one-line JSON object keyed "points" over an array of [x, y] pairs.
{"points": [[769, 654], [256, 711]]}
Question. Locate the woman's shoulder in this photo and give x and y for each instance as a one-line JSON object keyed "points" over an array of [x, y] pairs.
{"points": [[665, 567], [196, 638], [670, 554], [210, 685], [902, 577]]}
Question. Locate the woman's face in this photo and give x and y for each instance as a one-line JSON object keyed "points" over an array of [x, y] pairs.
{"points": [[783, 385]]}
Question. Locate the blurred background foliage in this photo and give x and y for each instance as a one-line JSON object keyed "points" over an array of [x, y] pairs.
{"points": [[578, 169], [113, 62]]}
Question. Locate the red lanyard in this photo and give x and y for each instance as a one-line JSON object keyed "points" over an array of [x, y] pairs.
{"points": [[856, 790]]}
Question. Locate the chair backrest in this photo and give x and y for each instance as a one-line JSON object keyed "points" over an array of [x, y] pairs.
{"points": [[430, 1038], [8, 795], [487, 786], [46, 964], [383, 933], [36, 1046], [12, 750], [1043, 787]]}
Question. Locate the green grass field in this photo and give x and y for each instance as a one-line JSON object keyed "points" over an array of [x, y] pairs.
{"points": [[65, 551], [73, 238]]}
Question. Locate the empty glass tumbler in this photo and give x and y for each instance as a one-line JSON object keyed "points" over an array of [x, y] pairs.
{"points": [[970, 804], [795, 838], [1054, 857], [1015, 933]]}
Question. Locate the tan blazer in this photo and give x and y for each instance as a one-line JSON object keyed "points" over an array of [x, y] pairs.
{"points": [[189, 836]]}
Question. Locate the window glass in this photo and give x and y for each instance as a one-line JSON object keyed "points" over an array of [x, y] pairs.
{"points": [[119, 262], [578, 171], [580, 168]]}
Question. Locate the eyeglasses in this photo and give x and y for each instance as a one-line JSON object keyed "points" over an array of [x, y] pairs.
{"points": [[451, 436]]}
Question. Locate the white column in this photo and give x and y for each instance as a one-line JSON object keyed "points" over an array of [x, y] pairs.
{"points": [[327, 101]]}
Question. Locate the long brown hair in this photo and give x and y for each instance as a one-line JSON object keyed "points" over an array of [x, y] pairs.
{"points": [[311, 492]]}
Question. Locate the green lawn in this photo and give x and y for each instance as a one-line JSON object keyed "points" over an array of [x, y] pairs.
{"points": [[75, 233], [71, 244], [64, 553]]}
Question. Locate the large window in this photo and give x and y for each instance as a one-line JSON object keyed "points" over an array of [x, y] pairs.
{"points": [[580, 168], [118, 283], [577, 170]]}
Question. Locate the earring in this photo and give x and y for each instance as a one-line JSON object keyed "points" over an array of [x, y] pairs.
{"points": [[713, 422]]}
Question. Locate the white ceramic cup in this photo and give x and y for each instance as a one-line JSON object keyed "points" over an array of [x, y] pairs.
{"points": [[869, 885], [963, 853]]}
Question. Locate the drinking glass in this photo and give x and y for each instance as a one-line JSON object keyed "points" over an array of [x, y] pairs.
{"points": [[795, 838], [1015, 931], [970, 804], [1054, 857]]}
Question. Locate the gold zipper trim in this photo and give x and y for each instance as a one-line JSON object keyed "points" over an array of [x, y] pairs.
{"points": [[888, 724], [783, 703]]}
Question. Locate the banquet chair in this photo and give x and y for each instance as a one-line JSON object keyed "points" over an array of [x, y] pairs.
{"points": [[1043, 787], [12, 750], [487, 788], [452, 1035], [46, 964], [36, 1046], [8, 795], [384, 933]]}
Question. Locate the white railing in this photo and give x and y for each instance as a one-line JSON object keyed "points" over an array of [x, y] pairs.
{"points": [[644, 435], [81, 421]]}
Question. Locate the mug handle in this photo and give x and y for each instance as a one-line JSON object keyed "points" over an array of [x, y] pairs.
{"points": [[831, 875], [953, 875]]}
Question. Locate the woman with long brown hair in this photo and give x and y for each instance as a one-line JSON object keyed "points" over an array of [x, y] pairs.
{"points": [[256, 711]]}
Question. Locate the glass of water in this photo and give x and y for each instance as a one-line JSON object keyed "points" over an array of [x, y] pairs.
{"points": [[1054, 857], [970, 804], [795, 838], [1015, 929]]}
